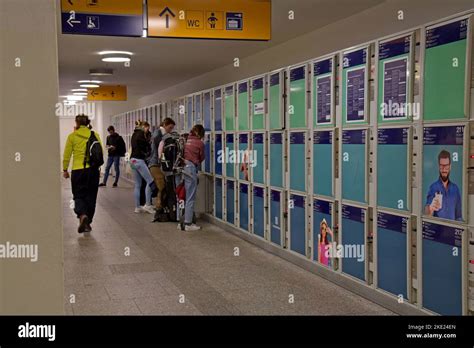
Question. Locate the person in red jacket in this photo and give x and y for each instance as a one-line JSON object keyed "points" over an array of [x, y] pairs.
{"points": [[193, 156]]}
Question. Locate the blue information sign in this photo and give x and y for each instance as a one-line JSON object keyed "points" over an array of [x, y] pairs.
{"points": [[447, 33], [355, 95], [102, 24]]}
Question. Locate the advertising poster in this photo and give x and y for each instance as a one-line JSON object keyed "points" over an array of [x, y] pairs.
{"points": [[354, 108], [323, 236], [323, 92], [443, 172]]}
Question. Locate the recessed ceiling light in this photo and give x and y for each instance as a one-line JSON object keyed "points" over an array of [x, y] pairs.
{"points": [[116, 52], [101, 72], [90, 85]]}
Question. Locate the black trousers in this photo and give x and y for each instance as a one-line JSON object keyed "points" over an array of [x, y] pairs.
{"points": [[85, 186]]}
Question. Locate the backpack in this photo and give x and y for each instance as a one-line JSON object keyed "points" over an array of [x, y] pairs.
{"points": [[94, 154], [172, 158]]}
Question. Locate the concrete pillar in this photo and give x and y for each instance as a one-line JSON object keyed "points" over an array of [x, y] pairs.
{"points": [[30, 194]]}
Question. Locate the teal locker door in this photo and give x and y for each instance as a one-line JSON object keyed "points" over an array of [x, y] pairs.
{"points": [[259, 211], [297, 100], [297, 166], [218, 198], [323, 163], [218, 154], [243, 164], [275, 95], [244, 206], [322, 231], [230, 202], [258, 159], [276, 159], [354, 163], [229, 158], [243, 106], [353, 241], [275, 217], [298, 224], [258, 104], [392, 168]]}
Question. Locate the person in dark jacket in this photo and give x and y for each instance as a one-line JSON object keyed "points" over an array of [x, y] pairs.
{"points": [[154, 162], [140, 152], [116, 148]]}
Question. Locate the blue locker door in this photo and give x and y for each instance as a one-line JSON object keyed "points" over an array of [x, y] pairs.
{"points": [[218, 110], [218, 198], [275, 216], [218, 154], [442, 268], [244, 206], [207, 111], [259, 211], [353, 241], [297, 166], [298, 224], [207, 153], [230, 210], [392, 253]]}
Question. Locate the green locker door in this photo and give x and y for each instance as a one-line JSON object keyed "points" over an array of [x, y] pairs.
{"points": [[297, 101], [275, 101], [258, 104], [229, 108], [243, 106]]}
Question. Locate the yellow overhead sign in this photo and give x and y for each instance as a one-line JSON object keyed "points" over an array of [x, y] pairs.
{"points": [[210, 19], [125, 7], [107, 93]]}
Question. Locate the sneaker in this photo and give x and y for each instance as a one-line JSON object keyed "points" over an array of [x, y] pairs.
{"points": [[84, 223], [138, 210], [149, 209], [102, 185], [115, 184], [192, 227], [179, 227]]}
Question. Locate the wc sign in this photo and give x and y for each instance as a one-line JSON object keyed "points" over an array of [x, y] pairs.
{"points": [[210, 19]]}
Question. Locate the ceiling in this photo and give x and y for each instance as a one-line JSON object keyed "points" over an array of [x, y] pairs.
{"points": [[161, 63]]}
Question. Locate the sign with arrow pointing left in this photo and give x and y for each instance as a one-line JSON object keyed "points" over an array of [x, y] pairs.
{"points": [[107, 93]]}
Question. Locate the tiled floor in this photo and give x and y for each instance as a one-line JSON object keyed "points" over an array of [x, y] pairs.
{"points": [[129, 265]]}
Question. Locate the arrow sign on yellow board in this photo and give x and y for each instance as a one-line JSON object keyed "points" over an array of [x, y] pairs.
{"points": [[107, 93]]}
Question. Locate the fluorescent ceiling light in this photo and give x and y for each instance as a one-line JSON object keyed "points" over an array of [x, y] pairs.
{"points": [[90, 81], [80, 93], [116, 52], [116, 59], [90, 85], [79, 90], [75, 97]]}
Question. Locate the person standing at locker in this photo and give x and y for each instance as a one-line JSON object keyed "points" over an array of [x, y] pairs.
{"points": [[154, 163], [140, 152], [84, 178], [194, 155]]}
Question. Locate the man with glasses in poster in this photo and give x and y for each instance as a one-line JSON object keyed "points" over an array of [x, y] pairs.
{"points": [[444, 198]]}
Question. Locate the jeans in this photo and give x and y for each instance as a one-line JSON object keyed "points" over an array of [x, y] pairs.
{"points": [[141, 171], [115, 160], [85, 185], [190, 184]]}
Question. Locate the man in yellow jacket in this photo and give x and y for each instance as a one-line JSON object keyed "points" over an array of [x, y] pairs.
{"points": [[84, 180]]}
